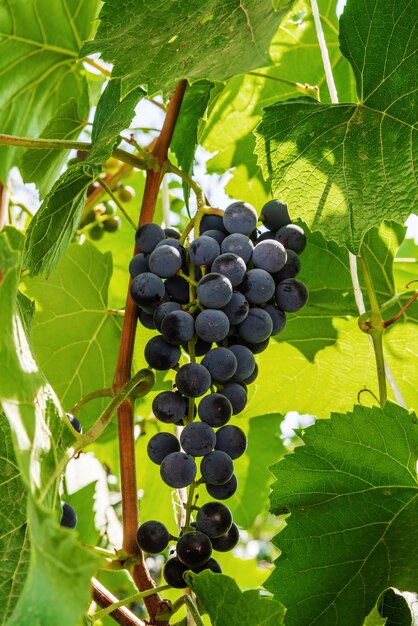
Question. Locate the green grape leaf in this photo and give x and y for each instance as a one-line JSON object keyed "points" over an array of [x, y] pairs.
{"points": [[14, 544], [184, 140], [54, 225], [211, 40], [338, 165], [75, 336], [227, 605], [399, 609], [237, 111], [352, 494], [113, 114], [40, 71], [56, 556], [374, 619], [42, 167]]}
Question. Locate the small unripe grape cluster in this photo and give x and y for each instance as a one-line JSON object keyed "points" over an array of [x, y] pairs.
{"points": [[103, 217], [217, 300]]}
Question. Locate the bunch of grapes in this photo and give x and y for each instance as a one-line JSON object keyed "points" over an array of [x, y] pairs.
{"points": [[217, 300]]}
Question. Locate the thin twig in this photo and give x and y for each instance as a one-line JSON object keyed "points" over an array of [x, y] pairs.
{"points": [[104, 598], [116, 201]]}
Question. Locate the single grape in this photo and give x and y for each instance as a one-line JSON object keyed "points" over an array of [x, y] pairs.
{"points": [[197, 439], [216, 467], [194, 549], [239, 244], [237, 396], [237, 308], [269, 255], [204, 250], [212, 565], [291, 295], [162, 310], [225, 491], [147, 237], [265, 236], [146, 319], [201, 347], [173, 573], [69, 516], [214, 519], [291, 269], [256, 348], [152, 537], [169, 407], [257, 326], [274, 215], [177, 327], [147, 290], [138, 264], [245, 361], [165, 261], [258, 286], [211, 222], [178, 289], [218, 235], [221, 363], [292, 237], [240, 217], [278, 318], [214, 290], [212, 325], [96, 232], [250, 379], [161, 445], [232, 440], [178, 470], [231, 266], [193, 380], [215, 409], [228, 541], [161, 355], [74, 422], [126, 193]]}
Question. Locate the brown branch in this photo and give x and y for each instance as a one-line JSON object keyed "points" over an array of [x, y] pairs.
{"points": [[4, 205], [140, 572], [104, 598]]}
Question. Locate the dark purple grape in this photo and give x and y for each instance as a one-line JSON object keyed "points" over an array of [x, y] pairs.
{"points": [[212, 325], [201, 347], [237, 396], [291, 269], [172, 233], [221, 363], [146, 319], [138, 265], [250, 379], [225, 491], [173, 573], [256, 348], [147, 290], [274, 215], [204, 250], [291, 295], [178, 289], [152, 537], [278, 318], [169, 407], [216, 467], [165, 261], [232, 440], [161, 445], [265, 236], [177, 327], [194, 549], [258, 286], [214, 290], [211, 222], [147, 237], [215, 409], [218, 235], [240, 217], [245, 361], [74, 423], [228, 541], [257, 326], [174, 243], [193, 380], [69, 516], [178, 470], [237, 308], [231, 266], [238, 244], [162, 310], [197, 439], [292, 237], [212, 565], [161, 355], [214, 519], [269, 255]]}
